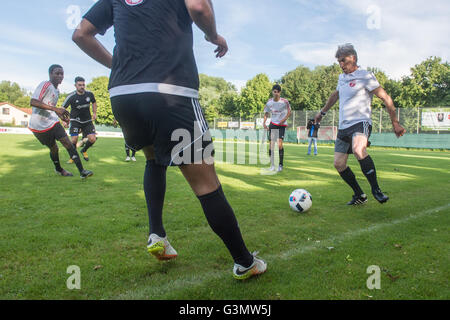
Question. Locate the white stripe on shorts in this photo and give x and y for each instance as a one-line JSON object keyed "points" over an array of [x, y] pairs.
{"points": [[153, 87]]}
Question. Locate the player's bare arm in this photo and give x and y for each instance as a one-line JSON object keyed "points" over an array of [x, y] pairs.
{"points": [[387, 100], [287, 116], [334, 97], [202, 13], [84, 37], [266, 116], [94, 111], [61, 112]]}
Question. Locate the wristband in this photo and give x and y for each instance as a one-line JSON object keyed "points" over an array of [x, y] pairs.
{"points": [[322, 113]]}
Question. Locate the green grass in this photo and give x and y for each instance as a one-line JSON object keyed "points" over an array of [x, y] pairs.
{"points": [[48, 223]]}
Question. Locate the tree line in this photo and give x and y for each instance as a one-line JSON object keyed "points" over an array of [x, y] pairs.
{"points": [[306, 89]]}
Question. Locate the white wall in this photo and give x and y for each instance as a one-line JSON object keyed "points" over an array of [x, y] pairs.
{"points": [[15, 116]]}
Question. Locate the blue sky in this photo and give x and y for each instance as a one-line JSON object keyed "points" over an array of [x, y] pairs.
{"points": [[264, 36]]}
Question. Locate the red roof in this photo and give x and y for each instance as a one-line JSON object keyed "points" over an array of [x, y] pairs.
{"points": [[26, 110]]}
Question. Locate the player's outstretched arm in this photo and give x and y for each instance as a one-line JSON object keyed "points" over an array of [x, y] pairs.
{"points": [[202, 13], [61, 112], [334, 97], [387, 100], [84, 37]]}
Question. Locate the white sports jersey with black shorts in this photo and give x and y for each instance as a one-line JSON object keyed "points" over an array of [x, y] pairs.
{"points": [[44, 120], [279, 110], [154, 79], [355, 107]]}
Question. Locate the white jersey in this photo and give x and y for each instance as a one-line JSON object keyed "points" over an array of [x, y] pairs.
{"points": [[43, 120], [279, 109], [355, 97]]}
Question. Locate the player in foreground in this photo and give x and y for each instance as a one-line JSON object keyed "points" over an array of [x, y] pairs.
{"points": [[45, 124], [355, 90], [80, 116], [154, 97], [281, 111]]}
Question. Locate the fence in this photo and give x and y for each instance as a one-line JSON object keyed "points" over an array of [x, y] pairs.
{"points": [[415, 121]]}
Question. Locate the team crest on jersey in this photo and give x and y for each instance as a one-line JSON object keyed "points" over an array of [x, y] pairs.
{"points": [[134, 2], [352, 84]]}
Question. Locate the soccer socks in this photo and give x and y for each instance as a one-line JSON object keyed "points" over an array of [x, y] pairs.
{"points": [[348, 176], [155, 190], [368, 168], [75, 157], [87, 146], [55, 160], [223, 222], [281, 156]]}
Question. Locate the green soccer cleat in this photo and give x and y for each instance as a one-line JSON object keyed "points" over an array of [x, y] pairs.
{"points": [[160, 248], [258, 266]]}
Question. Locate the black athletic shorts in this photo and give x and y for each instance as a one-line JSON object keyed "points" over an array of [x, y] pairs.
{"points": [[86, 128], [344, 139], [174, 125], [275, 131], [48, 138]]}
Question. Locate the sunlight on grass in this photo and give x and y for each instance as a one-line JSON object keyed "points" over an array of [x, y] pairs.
{"points": [[420, 157]]}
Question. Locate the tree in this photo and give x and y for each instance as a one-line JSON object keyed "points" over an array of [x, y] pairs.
{"points": [[99, 87], [254, 96], [228, 104], [325, 80], [428, 84], [11, 92], [299, 88]]}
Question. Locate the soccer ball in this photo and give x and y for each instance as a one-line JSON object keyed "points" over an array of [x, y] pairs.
{"points": [[300, 200]]}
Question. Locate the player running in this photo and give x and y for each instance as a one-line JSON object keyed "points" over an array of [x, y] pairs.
{"points": [[45, 124], [154, 96], [355, 90], [80, 116], [281, 111]]}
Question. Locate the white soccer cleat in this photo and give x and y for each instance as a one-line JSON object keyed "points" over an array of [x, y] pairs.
{"points": [[127, 159], [258, 266], [280, 168], [272, 168], [133, 159], [160, 248]]}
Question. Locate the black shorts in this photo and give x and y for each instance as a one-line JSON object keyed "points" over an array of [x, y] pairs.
{"points": [[48, 138], [86, 128], [344, 139], [276, 131], [174, 125]]}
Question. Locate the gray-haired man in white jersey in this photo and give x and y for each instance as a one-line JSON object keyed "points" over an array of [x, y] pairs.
{"points": [[355, 90]]}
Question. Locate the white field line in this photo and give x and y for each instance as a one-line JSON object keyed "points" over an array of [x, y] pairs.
{"points": [[155, 291]]}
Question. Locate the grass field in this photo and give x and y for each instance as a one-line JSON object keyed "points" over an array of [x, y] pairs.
{"points": [[48, 223]]}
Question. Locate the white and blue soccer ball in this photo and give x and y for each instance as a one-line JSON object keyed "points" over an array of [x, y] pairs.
{"points": [[300, 200]]}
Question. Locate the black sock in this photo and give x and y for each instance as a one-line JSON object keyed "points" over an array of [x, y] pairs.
{"points": [[75, 157], [348, 176], [133, 153], [87, 146], [155, 190], [223, 222], [368, 168], [55, 159], [127, 151], [281, 156]]}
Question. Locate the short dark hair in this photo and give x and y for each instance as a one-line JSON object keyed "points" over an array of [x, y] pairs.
{"points": [[79, 79], [276, 87], [53, 67]]}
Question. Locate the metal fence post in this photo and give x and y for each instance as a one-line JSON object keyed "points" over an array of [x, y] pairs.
{"points": [[418, 119], [381, 118]]}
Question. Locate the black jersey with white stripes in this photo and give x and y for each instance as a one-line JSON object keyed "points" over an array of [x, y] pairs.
{"points": [[154, 46], [79, 106]]}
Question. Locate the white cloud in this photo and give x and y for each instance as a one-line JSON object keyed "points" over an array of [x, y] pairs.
{"points": [[410, 31]]}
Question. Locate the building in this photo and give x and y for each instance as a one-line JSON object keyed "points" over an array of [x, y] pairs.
{"points": [[11, 114]]}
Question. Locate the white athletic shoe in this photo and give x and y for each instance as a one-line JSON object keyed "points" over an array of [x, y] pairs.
{"points": [[280, 168], [272, 168], [257, 267], [133, 158], [127, 159], [160, 248]]}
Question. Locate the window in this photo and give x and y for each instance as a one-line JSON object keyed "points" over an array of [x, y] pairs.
{"points": [[6, 111]]}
